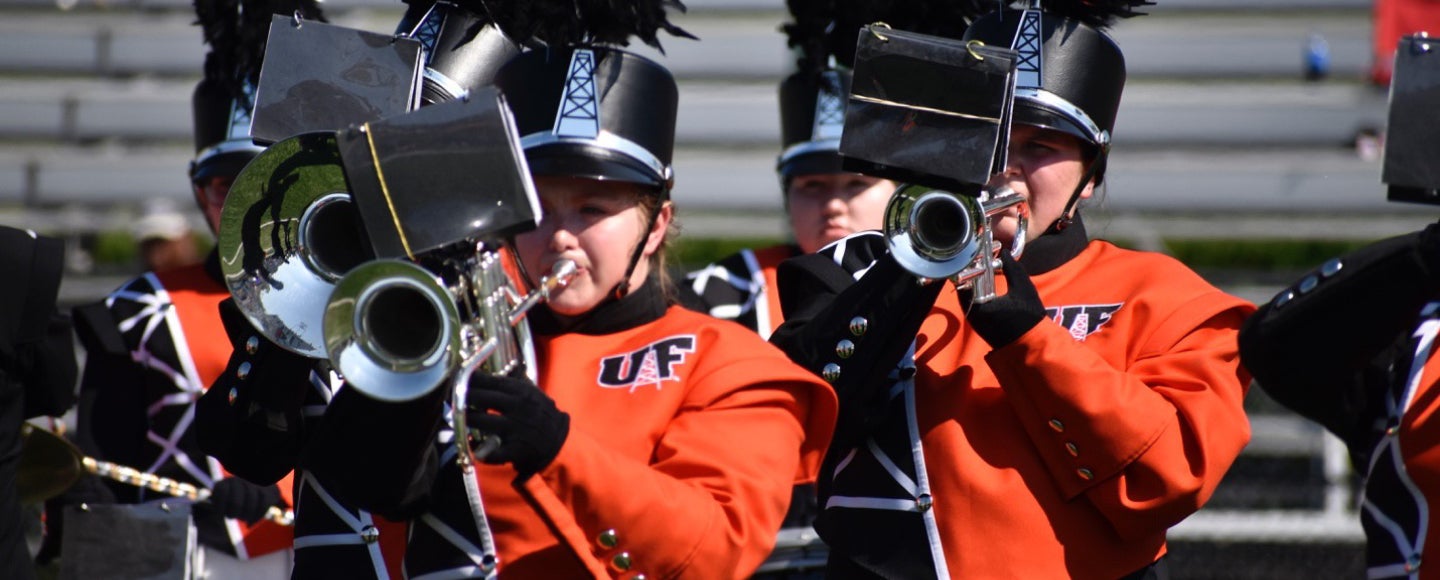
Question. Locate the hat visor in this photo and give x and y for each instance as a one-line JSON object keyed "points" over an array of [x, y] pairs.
{"points": [[221, 165], [820, 163], [1030, 112], [590, 162]]}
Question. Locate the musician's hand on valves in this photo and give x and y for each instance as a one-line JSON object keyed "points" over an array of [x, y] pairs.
{"points": [[530, 427], [239, 499], [1005, 318]]}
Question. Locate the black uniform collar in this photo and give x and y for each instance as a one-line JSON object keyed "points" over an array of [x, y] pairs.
{"points": [[1053, 249], [646, 304], [212, 266]]}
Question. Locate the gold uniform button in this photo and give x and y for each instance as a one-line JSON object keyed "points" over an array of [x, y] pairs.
{"points": [[607, 539], [1057, 425], [621, 562], [1074, 451], [1084, 474]]}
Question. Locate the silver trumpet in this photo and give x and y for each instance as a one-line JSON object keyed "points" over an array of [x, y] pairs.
{"points": [[936, 234], [396, 330]]}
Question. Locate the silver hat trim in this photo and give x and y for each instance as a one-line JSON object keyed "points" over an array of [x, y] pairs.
{"points": [[1072, 112], [446, 85], [808, 147], [604, 140], [228, 146]]}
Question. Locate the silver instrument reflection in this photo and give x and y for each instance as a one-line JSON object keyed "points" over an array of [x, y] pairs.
{"points": [[937, 234]]}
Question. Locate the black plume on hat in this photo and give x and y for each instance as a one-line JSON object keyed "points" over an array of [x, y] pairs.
{"points": [[236, 31], [585, 108]]}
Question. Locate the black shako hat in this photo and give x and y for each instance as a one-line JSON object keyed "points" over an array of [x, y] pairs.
{"points": [[593, 112], [812, 116], [1069, 74], [822, 36], [464, 46], [225, 98]]}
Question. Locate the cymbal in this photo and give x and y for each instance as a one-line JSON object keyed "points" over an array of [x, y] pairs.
{"points": [[48, 466]]}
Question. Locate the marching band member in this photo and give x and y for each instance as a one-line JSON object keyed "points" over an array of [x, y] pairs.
{"points": [[1056, 431], [656, 441], [822, 201], [1374, 389], [156, 343], [37, 371], [1373, 384], [259, 414]]}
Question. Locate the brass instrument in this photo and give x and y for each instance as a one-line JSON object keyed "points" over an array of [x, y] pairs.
{"points": [[289, 231], [396, 330], [937, 234], [49, 465]]}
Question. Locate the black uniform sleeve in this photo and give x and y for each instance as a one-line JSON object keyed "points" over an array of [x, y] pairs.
{"points": [[251, 417], [375, 455], [111, 420], [821, 298], [1322, 347], [36, 351]]}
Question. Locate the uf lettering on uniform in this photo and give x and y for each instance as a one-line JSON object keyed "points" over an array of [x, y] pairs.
{"points": [[651, 365], [1082, 320]]}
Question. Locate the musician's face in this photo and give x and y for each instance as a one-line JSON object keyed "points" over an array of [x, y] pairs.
{"points": [[210, 193], [825, 207], [1044, 166], [598, 224]]}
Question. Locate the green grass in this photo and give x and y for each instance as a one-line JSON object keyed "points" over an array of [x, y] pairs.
{"points": [[693, 253], [1258, 254]]}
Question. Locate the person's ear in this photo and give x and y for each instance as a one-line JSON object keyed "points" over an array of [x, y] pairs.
{"points": [[659, 227]]}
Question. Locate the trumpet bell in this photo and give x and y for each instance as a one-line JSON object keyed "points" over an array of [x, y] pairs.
{"points": [[288, 232], [392, 330], [933, 233]]}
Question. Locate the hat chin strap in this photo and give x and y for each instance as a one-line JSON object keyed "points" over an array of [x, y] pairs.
{"points": [[622, 289], [1067, 216]]}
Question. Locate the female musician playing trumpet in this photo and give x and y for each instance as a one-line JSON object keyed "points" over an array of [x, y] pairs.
{"points": [[655, 440], [658, 440], [1056, 431]]}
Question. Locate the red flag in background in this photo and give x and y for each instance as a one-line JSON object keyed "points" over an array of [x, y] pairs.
{"points": [[1394, 19]]}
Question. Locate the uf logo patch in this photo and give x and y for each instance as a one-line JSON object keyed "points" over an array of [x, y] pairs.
{"points": [[651, 365], [1083, 320]]}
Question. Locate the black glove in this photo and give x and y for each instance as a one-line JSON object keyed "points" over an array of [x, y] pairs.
{"points": [[1003, 319], [236, 498], [530, 427]]}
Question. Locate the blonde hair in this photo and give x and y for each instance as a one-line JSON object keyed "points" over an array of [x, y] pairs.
{"points": [[650, 204]]}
